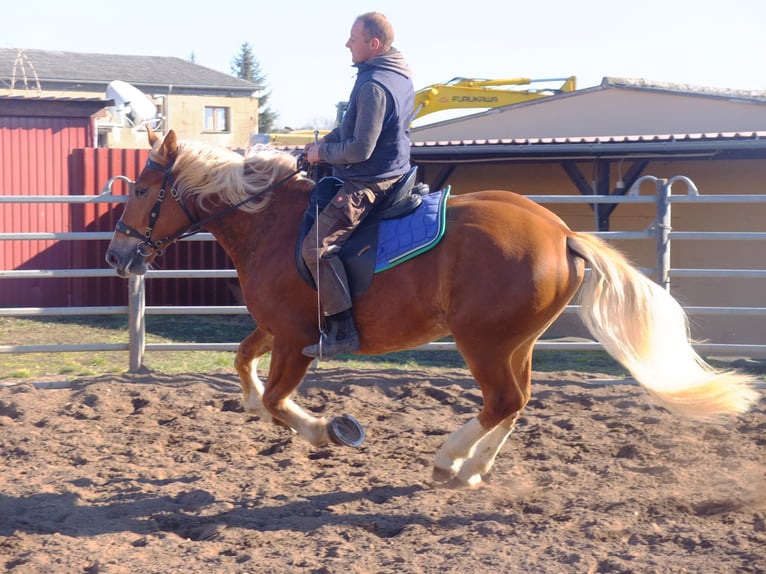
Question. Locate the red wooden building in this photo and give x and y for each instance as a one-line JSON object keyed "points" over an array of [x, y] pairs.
{"points": [[47, 148]]}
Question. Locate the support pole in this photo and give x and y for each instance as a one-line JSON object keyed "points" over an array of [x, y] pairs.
{"points": [[663, 228], [662, 223], [136, 324], [660, 226]]}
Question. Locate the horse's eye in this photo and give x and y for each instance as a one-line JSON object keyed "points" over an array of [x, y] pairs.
{"points": [[141, 191]]}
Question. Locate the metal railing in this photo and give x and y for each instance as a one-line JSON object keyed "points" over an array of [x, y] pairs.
{"points": [[136, 310]]}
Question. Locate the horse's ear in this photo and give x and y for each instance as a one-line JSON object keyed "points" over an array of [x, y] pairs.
{"points": [[152, 136], [170, 144]]}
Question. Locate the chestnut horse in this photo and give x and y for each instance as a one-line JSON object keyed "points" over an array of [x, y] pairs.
{"points": [[504, 270]]}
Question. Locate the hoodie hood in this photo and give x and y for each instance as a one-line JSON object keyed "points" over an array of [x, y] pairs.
{"points": [[392, 60]]}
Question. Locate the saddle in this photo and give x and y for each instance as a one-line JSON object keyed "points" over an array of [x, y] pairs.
{"points": [[359, 253]]}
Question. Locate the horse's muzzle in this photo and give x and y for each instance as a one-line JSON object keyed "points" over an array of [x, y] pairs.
{"points": [[126, 265]]}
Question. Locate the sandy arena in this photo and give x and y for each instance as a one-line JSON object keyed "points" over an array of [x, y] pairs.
{"points": [[157, 474]]}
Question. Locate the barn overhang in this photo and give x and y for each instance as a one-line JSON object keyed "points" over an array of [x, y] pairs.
{"points": [[599, 152], [703, 146], [15, 106]]}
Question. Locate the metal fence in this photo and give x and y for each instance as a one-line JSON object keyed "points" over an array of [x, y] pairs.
{"points": [[137, 310]]}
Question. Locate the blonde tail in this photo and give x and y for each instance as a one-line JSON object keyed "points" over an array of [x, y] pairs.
{"points": [[644, 328]]}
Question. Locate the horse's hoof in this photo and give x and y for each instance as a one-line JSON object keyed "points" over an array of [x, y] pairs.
{"points": [[447, 479], [442, 474], [346, 430], [457, 483]]}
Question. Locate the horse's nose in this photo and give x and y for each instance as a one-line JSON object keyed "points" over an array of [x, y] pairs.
{"points": [[112, 258]]}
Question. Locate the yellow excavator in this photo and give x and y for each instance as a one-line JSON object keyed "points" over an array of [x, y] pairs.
{"points": [[458, 93], [461, 93]]}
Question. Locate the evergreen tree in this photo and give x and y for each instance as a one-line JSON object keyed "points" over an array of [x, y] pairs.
{"points": [[247, 67]]}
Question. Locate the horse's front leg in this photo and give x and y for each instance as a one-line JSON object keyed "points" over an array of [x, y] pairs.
{"points": [[288, 367], [255, 345]]}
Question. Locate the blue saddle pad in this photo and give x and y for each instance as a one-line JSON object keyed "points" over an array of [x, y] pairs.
{"points": [[406, 237]]}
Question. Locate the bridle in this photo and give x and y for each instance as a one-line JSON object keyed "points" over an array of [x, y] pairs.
{"points": [[159, 246]]}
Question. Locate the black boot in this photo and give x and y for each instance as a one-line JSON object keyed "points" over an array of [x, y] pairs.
{"points": [[341, 337]]}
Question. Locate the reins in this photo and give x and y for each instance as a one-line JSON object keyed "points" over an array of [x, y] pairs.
{"points": [[159, 246]]}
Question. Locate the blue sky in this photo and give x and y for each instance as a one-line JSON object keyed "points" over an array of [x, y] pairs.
{"points": [[300, 43]]}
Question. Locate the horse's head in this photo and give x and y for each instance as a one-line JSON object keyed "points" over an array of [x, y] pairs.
{"points": [[186, 186], [149, 223]]}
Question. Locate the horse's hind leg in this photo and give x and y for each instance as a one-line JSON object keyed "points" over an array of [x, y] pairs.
{"points": [[484, 453], [470, 451], [458, 447], [255, 345]]}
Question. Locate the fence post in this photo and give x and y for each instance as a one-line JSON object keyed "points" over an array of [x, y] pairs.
{"points": [[136, 321], [660, 226], [663, 227], [664, 224]]}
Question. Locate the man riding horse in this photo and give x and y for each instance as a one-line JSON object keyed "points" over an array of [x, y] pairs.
{"points": [[370, 152]]}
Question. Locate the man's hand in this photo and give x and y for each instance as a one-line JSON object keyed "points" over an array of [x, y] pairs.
{"points": [[312, 153]]}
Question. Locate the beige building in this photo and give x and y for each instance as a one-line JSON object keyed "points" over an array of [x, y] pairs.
{"points": [[198, 103], [602, 140]]}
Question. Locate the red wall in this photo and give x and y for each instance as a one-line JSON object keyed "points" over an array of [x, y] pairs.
{"points": [[54, 156]]}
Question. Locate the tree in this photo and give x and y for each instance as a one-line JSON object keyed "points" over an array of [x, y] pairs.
{"points": [[247, 67]]}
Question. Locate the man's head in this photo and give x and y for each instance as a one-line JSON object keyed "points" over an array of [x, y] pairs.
{"points": [[371, 35]]}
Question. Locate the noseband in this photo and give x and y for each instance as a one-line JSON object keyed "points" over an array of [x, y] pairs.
{"points": [[159, 246]]}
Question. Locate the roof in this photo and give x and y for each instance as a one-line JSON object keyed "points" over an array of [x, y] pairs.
{"points": [[51, 107], [616, 116], [88, 72], [700, 145], [757, 96]]}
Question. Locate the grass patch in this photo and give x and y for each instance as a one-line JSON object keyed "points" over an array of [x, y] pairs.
{"points": [[114, 329], [208, 329]]}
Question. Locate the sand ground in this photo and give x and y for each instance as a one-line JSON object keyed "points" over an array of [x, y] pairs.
{"points": [[154, 474]]}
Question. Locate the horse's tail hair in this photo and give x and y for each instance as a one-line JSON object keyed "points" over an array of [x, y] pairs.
{"points": [[644, 328]]}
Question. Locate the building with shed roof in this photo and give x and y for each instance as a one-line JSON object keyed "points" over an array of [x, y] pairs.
{"points": [[619, 126], [54, 110], [602, 140], [198, 102]]}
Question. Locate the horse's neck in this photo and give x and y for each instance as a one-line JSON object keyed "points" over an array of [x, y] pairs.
{"points": [[249, 238]]}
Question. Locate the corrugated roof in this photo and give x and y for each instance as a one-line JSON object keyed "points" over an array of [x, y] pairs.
{"points": [[755, 135], [657, 144], [19, 106], [54, 99], [714, 144], [88, 69]]}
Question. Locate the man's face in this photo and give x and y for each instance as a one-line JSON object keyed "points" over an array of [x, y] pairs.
{"points": [[361, 47]]}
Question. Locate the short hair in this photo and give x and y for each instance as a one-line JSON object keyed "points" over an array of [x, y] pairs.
{"points": [[376, 25]]}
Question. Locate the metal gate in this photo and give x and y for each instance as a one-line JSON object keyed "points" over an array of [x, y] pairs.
{"points": [[660, 231]]}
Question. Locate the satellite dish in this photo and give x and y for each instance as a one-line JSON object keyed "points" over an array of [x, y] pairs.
{"points": [[131, 104]]}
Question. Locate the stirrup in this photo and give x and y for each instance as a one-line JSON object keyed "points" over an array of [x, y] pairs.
{"points": [[326, 350]]}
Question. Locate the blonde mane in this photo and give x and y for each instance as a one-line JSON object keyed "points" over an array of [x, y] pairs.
{"points": [[207, 173]]}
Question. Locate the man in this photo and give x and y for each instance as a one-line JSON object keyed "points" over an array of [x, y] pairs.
{"points": [[369, 151]]}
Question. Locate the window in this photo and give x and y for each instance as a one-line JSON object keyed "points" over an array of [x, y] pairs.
{"points": [[216, 119]]}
